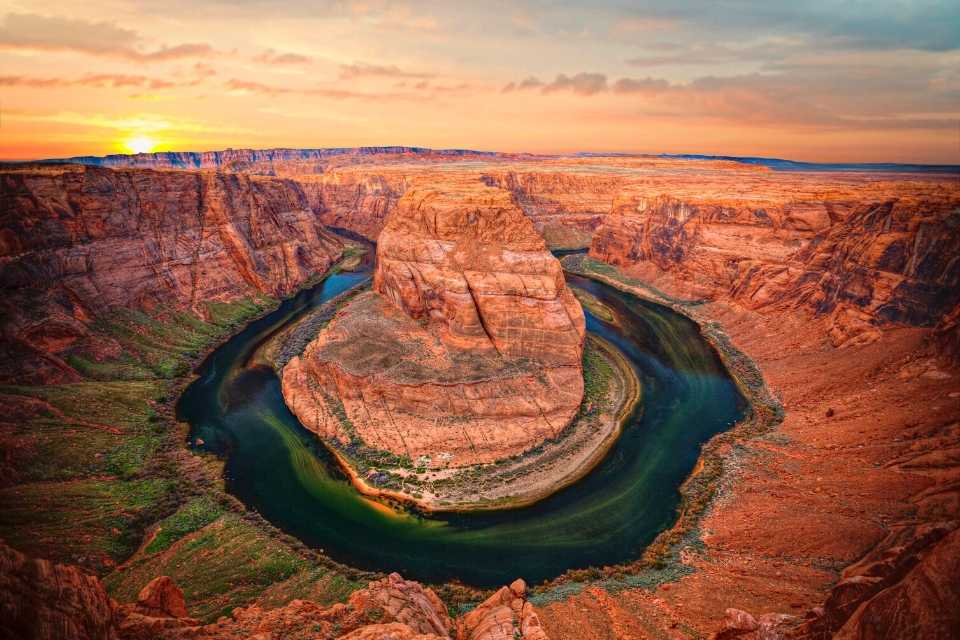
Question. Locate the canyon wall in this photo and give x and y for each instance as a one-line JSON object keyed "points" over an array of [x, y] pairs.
{"points": [[566, 206], [469, 351], [355, 198], [76, 242], [866, 262]]}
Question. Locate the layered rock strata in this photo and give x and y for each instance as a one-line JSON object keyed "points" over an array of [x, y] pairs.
{"points": [[467, 351], [77, 241], [865, 264]]}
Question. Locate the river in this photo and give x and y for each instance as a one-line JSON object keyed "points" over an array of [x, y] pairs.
{"points": [[278, 468]]}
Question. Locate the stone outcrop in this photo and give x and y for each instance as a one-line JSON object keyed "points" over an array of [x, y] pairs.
{"points": [[76, 242], [505, 615], [469, 349], [464, 258], [162, 598], [43, 601]]}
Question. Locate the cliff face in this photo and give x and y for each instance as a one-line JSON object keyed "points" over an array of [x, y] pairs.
{"points": [[565, 206], [78, 241], [464, 257], [469, 351], [355, 199], [865, 264]]}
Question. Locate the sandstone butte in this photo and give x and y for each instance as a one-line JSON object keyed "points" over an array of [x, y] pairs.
{"points": [[467, 351], [842, 287]]}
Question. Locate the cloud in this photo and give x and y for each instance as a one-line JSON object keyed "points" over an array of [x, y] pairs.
{"points": [[584, 84], [527, 83], [280, 58], [640, 85], [203, 70], [36, 32], [905, 94], [190, 50], [362, 70], [236, 85], [100, 81]]}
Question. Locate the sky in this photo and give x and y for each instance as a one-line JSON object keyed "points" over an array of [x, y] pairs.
{"points": [[817, 80]]}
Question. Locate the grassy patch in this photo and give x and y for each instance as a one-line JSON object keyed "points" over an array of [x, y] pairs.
{"points": [[195, 514], [219, 566], [89, 428], [94, 522], [597, 373], [99, 462]]}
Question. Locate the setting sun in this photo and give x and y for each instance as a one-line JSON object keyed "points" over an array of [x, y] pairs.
{"points": [[140, 144]]}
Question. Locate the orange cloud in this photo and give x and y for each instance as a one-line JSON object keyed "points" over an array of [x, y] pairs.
{"points": [[42, 33], [276, 57], [112, 80], [360, 70]]}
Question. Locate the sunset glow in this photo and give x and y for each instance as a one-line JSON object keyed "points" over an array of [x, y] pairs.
{"points": [[140, 144], [822, 81]]}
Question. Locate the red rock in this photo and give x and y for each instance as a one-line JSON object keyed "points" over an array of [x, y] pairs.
{"points": [[162, 598], [471, 351], [506, 615], [79, 241], [44, 601]]}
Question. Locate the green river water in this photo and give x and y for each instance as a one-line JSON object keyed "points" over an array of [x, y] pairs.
{"points": [[281, 470]]}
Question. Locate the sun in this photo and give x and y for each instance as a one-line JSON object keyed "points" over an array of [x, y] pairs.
{"points": [[140, 144]]}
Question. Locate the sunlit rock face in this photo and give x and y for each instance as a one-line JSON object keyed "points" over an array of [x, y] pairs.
{"points": [[866, 263], [77, 241], [469, 348], [465, 258]]}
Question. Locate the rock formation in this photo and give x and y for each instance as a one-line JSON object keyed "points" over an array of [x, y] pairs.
{"points": [[43, 601], [906, 588], [505, 615], [865, 264], [78, 241], [469, 350]]}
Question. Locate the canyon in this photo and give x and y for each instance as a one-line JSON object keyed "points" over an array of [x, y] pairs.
{"points": [[841, 286]]}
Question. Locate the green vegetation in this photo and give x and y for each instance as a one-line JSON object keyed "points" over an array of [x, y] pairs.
{"points": [[91, 522], [593, 305], [195, 514], [597, 373], [228, 562], [587, 266], [92, 466]]}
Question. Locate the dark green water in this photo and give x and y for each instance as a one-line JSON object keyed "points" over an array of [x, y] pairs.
{"points": [[278, 468]]}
